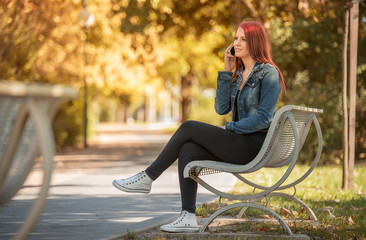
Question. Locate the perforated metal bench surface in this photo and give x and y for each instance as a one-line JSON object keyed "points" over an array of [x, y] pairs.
{"points": [[26, 112]]}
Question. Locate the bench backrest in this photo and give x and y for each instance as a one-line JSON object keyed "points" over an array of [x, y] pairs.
{"points": [[25, 111], [26, 149], [280, 146]]}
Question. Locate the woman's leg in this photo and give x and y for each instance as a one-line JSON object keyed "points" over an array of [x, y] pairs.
{"points": [[225, 145], [190, 151]]}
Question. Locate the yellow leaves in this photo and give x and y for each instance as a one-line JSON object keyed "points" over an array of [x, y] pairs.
{"points": [[303, 7], [118, 61], [279, 33], [28, 6], [164, 6], [181, 55], [56, 19], [315, 19], [135, 20], [9, 21], [110, 70], [332, 13], [177, 20], [141, 1], [166, 9]]}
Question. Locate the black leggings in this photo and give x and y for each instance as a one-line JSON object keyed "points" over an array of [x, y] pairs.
{"points": [[200, 141]]}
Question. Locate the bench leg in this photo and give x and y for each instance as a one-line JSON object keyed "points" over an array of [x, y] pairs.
{"points": [[284, 195], [248, 204], [39, 115]]}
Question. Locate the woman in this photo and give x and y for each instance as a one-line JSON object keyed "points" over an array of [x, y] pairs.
{"points": [[249, 87]]}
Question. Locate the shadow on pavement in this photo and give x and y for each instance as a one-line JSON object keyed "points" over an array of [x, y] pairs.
{"points": [[85, 217], [82, 202]]}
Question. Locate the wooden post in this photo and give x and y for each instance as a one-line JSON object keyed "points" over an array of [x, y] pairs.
{"points": [[345, 99], [354, 15]]}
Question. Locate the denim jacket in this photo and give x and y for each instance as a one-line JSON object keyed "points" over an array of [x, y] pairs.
{"points": [[256, 101]]}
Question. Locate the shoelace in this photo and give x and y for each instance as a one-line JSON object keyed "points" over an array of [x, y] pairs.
{"points": [[181, 217], [134, 178]]}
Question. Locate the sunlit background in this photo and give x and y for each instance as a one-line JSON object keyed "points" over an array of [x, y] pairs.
{"points": [[156, 61]]}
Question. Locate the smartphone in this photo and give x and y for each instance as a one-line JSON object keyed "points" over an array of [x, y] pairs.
{"points": [[232, 51]]}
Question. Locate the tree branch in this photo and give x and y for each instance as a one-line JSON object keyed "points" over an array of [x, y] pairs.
{"points": [[251, 8]]}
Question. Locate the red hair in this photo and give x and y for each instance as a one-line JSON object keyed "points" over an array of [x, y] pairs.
{"points": [[258, 47]]}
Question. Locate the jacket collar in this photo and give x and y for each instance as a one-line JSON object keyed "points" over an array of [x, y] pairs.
{"points": [[257, 66]]}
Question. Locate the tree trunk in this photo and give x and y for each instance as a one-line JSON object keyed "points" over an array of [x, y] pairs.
{"points": [[186, 91], [344, 98], [238, 12], [252, 9], [354, 13]]}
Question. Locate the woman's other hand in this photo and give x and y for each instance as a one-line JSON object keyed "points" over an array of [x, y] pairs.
{"points": [[229, 59]]}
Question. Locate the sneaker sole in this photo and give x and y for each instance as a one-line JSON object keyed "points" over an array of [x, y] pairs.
{"points": [[116, 185], [178, 230]]}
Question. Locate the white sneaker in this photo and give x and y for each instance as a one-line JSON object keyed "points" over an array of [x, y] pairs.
{"points": [[187, 222], [139, 183]]}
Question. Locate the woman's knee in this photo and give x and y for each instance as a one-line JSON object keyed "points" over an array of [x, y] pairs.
{"points": [[186, 150], [189, 124], [186, 153]]}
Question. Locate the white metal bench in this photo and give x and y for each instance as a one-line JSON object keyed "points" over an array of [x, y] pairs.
{"points": [[26, 112], [286, 137]]}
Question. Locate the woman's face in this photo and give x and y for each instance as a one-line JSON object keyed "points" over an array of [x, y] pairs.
{"points": [[240, 44]]}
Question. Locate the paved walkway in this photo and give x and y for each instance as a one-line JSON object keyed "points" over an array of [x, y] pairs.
{"points": [[83, 204]]}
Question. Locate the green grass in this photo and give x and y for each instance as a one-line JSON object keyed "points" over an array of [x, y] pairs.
{"points": [[342, 215]]}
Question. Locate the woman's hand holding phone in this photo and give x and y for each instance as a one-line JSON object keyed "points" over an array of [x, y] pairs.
{"points": [[229, 58]]}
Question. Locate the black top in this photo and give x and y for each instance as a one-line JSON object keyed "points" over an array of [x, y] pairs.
{"points": [[236, 106]]}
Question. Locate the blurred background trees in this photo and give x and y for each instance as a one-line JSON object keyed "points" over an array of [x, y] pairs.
{"points": [[145, 53]]}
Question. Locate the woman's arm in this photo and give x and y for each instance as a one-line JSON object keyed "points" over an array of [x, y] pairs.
{"points": [[223, 91], [222, 99]]}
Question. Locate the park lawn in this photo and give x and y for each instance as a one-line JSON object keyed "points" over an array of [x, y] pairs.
{"points": [[342, 215]]}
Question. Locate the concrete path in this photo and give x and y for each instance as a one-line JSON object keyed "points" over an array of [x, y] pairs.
{"points": [[82, 202]]}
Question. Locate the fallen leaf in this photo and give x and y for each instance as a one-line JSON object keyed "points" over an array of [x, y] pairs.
{"points": [[350, 221], [285, 211], [330, 228], [359, 192], [302, 210], [327, 208], [354, 208], [330, 215], [265, 216]]}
